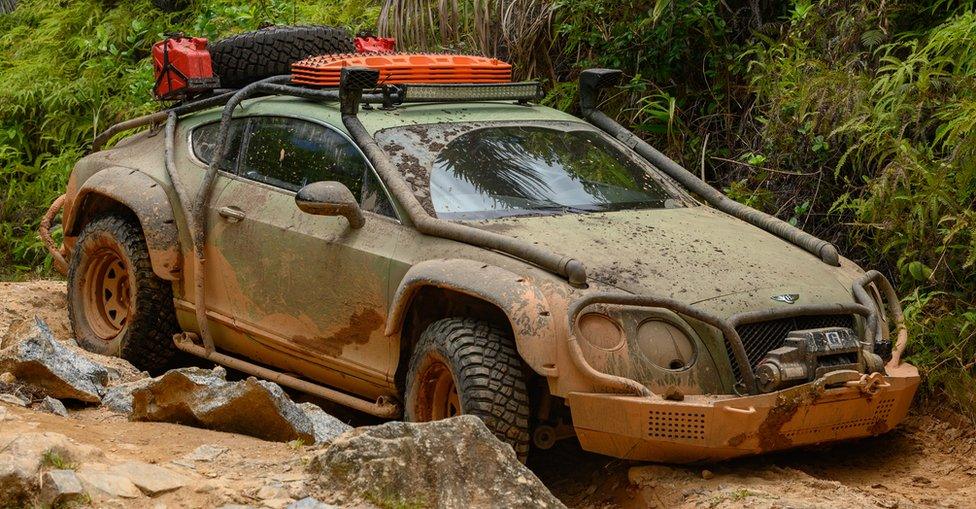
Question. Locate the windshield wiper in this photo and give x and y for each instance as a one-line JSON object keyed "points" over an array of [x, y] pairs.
{"points": [[570, 208]]}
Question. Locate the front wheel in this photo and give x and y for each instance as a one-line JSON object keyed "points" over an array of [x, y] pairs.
{"points": [[466, 366], [116, 303]]}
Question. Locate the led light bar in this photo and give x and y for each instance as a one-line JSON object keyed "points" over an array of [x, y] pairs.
{"points": [[521, 92]]}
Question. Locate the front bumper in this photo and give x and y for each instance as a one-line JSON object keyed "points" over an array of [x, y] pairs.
{"points": [[711, 428]]}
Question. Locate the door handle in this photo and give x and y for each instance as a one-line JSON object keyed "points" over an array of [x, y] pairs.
{"points": [[231, 214]]}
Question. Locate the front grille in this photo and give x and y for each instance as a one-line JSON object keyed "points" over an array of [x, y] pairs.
{"points": [[760, 338]]}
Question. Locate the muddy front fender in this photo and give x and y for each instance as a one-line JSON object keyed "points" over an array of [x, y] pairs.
{"points": [[145, 197], [524, 303]]}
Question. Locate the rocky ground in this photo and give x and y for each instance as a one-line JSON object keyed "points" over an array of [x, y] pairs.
{"points": [[95, 455]]}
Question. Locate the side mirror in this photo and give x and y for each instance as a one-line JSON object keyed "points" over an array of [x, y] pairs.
{"points": [[330, 199]]}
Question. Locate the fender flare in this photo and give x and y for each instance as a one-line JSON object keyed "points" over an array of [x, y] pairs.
{"points": [[148, 201], [524, 303]]}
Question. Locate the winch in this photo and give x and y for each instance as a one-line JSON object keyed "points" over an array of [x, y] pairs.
{"points": [[809, 354]]}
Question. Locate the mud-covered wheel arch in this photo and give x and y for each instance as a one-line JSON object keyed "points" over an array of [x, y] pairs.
{"points": [[125, 190], [431, 304]]}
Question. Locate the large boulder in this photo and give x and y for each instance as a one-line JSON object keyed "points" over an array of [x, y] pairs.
{"points": [[455, 462], [118, 398], [33, 356], [326, 427], [205, 399]]}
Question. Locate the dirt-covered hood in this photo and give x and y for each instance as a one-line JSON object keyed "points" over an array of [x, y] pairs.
{"points": [[694, 255]]}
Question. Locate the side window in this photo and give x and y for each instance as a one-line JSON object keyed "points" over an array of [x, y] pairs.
{"points": [[290, 153], [374, 198], [204, 140]]}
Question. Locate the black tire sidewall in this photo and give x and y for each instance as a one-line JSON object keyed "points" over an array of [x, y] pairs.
{"points": [[251, 56]]}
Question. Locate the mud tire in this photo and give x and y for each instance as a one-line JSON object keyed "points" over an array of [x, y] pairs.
{"points": [[146, 339], [252, 56], [487, 373]]}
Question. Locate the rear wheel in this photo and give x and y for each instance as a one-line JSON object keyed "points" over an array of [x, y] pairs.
{"points": [[466, 366], [116, 303]]}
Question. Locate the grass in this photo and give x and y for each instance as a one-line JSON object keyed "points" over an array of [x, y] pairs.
{"points": [[387, 500], [53, 459]]}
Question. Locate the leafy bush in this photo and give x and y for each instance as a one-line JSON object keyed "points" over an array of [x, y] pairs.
{"points": [[887, 115]]}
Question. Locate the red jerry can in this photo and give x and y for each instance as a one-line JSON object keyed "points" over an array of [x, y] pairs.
{"points": [[183, 68]]}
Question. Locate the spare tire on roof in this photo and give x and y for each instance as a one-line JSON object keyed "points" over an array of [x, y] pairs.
{"points": [[251, 56]]}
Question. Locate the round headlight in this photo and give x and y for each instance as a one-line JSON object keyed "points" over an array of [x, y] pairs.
{"points": [[665, 345], [601, 331]]}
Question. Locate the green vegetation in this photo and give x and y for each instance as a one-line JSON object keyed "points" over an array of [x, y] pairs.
{"points": [[850, 118], [53, 459], [70, 69]]}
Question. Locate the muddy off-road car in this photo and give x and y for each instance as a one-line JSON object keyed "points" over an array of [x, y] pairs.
{"points": [[419, 251]]}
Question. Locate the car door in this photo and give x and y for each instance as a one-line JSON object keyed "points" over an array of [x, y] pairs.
{"points": [[201, 145], [308, 291]]}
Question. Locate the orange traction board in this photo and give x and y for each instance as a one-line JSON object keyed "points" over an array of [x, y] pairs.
{"points": [[403, 68]]}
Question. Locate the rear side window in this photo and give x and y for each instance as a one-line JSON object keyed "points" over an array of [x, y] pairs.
{"points": [[204, 140], [290, 153]]}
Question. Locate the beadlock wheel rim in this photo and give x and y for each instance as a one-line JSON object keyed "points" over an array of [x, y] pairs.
{"points": [[439, 397], [107, 293]]}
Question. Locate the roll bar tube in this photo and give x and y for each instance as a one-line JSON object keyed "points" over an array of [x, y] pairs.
{"points": [[592, 81], [352, 84]]}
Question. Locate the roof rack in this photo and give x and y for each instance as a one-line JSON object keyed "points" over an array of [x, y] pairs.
{"points": [[387, 95], [398, 68]]}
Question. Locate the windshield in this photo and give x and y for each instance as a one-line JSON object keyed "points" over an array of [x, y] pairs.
{"points": [[473, 172]]}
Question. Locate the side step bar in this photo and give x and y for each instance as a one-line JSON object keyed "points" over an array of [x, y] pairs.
{"points": [[380, 408]]}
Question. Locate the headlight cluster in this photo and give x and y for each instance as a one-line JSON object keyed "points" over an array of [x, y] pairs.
{"points": [[665, 345], [659, 338], [601, 331]]}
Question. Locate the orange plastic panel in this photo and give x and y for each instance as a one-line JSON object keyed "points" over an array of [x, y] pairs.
{"points": [[403, 68]]}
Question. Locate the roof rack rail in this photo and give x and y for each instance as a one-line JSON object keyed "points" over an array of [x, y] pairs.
{"points": [[387, 95]]}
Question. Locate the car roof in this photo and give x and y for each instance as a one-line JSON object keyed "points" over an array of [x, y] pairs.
{"points": [[403, 115]]}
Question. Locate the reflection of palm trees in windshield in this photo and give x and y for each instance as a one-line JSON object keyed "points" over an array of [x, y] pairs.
{"points": [[540, 168], [502, 163]]}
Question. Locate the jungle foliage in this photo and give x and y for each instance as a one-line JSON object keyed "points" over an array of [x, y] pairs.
{"points": [[850, 118]]}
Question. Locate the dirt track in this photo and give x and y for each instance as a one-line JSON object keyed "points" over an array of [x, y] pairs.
{"points": [[925, 462]]}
